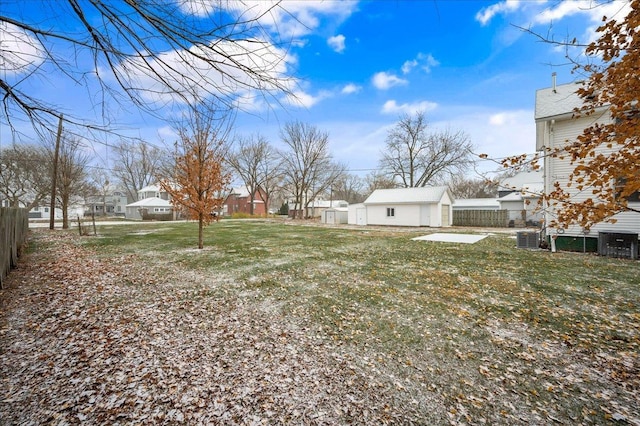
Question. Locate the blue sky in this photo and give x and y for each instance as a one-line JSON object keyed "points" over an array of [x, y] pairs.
{"points": [[359, 65]]}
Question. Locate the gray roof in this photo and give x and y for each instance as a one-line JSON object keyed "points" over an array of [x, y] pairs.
{"points": [[428, 194], [561, 101]]}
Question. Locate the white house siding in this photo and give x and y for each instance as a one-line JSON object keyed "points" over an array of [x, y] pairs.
{"points": [[515, 209], [425, 215], [558, 170], [405, 215], [357, 214]]}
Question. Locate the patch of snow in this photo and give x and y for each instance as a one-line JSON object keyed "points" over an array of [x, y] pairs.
{"points": [[451, 238]]}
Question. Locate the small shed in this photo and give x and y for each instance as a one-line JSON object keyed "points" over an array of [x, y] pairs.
{"points": [[149, 208], [425, 206], [335, 215]]}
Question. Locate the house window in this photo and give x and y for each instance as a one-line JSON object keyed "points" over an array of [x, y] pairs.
{"points": [[391, 212], [634, 197]]}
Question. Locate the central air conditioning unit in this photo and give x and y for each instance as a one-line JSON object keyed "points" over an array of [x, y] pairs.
{"points": [[528, 240], [618, 244]]}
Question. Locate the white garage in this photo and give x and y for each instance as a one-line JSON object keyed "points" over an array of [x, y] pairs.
{"points": [[427, 206]]}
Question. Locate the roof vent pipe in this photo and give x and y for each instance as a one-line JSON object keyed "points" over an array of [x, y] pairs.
{"points": [[553, 82]]}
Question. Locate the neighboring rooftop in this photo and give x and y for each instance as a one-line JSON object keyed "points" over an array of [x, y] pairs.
{"points": [[407, 195]]}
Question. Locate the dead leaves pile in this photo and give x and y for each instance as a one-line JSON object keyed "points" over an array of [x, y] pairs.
{"points": [[95, 340], [87, 338]]}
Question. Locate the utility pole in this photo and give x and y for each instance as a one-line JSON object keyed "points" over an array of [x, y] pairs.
{"points": [[52, 214]]}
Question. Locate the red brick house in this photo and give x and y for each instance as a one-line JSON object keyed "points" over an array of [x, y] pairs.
{"points": [[239, 201]]}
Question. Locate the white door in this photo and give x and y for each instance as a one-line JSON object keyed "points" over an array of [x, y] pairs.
{"points": [[331, 217], [361, 216]]}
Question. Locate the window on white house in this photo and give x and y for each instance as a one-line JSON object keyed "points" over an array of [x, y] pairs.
{"points": [[391, 212]]}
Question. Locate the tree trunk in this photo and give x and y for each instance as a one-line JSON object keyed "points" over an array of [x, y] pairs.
{"points": [[200, 230], [65, 212]]}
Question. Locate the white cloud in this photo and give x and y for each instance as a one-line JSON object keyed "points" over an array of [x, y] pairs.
{"points": [[426, 62], [302, 99], [496, 133], [487, 13], [392, 107], [409, 65], [19, 51], [384, 81], [291, 18], [351, 88], [160, 79], [336, 43]]}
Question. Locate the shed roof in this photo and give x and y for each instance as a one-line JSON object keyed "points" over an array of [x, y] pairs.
{"points": [[427, 194]]}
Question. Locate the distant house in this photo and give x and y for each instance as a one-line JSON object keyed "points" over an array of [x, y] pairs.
{"points": [[238, 200], [520, 195], [526, 181], [427, 206], [112, 203], [556, 126], [516, 205], [153, 204], [476, 204]]}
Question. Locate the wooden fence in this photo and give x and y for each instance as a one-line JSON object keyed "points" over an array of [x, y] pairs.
{"points": [[14, 225], [488, 218]]}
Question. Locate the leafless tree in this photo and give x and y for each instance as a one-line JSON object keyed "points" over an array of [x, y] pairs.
{"points": [[136, 165], [348, 187], [378, 180], [72, 179], [463, 187], [415, 157], [308, 166], [149, 53], [257, 163], [25, 175]]}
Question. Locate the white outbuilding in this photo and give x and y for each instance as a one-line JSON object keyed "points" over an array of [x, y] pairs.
{"points": [[427, 206]]}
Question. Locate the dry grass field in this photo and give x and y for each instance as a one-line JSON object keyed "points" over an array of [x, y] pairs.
{"points": [[281, 323]]}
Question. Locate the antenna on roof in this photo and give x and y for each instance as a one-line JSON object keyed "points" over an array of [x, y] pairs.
{"points": [[553, 82]]}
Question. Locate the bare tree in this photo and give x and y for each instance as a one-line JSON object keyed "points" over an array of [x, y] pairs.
{"points": [[136, 165], [348, 187], [463, 187], [150, 54], [25, 175], [308, 166], [256, 162], [378, 180], [417, 158], [72, 175]]}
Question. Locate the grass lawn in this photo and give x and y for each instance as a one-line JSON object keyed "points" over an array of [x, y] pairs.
{"points": [[276, 323]]}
